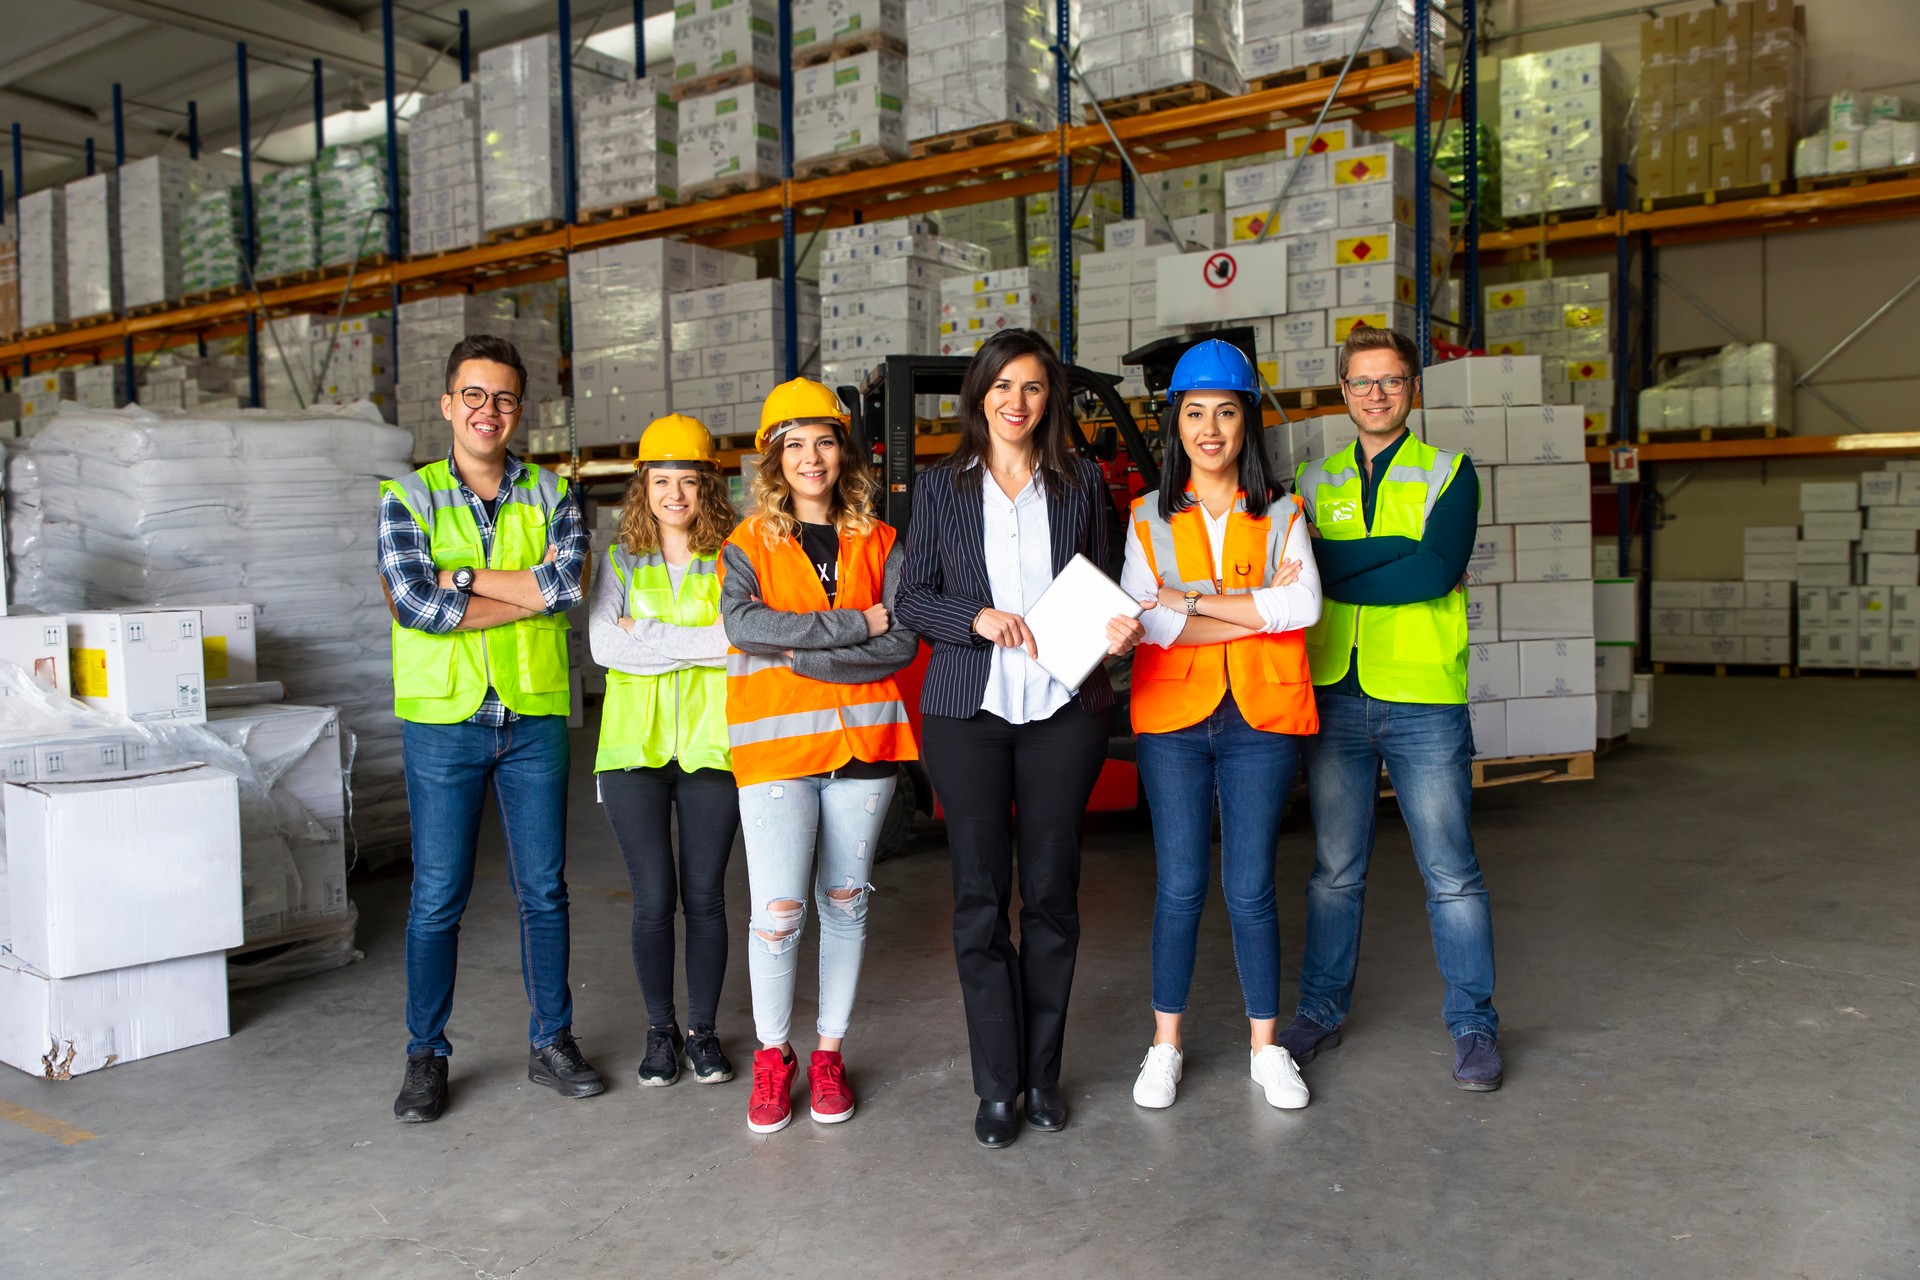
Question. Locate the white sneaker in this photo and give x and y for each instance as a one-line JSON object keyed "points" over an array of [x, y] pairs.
{"points": [[1273, 1070], [1159, 1074]]}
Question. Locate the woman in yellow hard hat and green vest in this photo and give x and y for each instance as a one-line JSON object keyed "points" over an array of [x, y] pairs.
{"points": [[655, 626], [816, 723]]}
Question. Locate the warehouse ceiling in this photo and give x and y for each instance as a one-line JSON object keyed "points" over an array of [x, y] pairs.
{"points": [[62, 60]]}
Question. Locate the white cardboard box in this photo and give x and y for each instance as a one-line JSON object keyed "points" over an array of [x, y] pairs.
{"points": [[1546, 433], [1613, 715], [123, 871], [1829, 495], [1546, 610], [1479, 433], [1667, 594], [1493, 672], [1770, 537], [1556, 668], [1492, 558], [1553, 564], [144, 666], [1892, 570], [1612, 667], [1488, 721], [297, 748], [1482, 380], [1543, 494], [1770, 566], [228, 642], [39, 644], [1616, 612], [1642, 701], [109, 1018], [1483, 614], [1769, 595], [1819, 526], [1550, 726]]}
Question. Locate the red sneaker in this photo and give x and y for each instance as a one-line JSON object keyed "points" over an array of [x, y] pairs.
{"points": [[771, 1108], [832, 1100]]}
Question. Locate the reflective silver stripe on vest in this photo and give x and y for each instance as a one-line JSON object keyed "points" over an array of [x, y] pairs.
{"points": [[794, 724], [418, 497], [871, 715], [701, 564], [746, 664], [547, 488], [1166, 555]]}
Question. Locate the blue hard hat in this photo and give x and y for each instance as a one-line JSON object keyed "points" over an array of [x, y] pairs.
{"points": [[1214, 365]]}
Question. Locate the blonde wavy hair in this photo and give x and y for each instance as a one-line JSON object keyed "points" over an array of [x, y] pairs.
{"points": [[712, 522], [853, 493]]}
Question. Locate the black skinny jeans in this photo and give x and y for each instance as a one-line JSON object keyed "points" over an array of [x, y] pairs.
{"points": [[638, 802]]}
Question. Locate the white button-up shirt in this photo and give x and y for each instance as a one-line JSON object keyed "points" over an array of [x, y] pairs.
{"points": [[1019, 551]]}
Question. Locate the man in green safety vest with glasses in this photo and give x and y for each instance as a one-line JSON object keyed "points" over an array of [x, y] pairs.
{"points": [[482, 555], [1394, 521]]}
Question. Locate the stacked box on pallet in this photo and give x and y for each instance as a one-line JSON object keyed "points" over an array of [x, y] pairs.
{"points": [[43, 258], [1862, 132], [1719, 87], [428, 330], [1281, 35], [721, 37], [819, 25], [287, 218], [730, 137], [9, 282], [976, 306], [851, 106], [1117, 300], [880, 295], [443, 172], [100, 386], [210, 240], [629, 146], [186, 380], [522, 163], [980, 63], [350, 190], [1568, 322], [1743, 385], [157, 196], [1616, 635], [729, 349], [1722, 622], [1094, 210], [998, 226], [93, 246], [1873, 628], [1556, 131], [40, 398], [1135, 47]]}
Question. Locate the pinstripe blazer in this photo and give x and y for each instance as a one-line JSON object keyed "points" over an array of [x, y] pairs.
{"points": [[944, 586]]}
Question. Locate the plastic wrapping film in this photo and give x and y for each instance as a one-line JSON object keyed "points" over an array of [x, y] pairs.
{"points": [[1135, 46], [1745, 384], [1281, 35], [350, 194], [629, 146], [1718, 98], [131, 509], [443, 172], [1860, 132], [93, 245], [43, 257], [854, 104], [156, 194], [287, 215], [985, 62], [521, 161], [210, 240], [1557, 142]]}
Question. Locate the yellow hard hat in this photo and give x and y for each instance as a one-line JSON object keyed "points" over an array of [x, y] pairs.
{"points": [[799, 400], [677, 438]]}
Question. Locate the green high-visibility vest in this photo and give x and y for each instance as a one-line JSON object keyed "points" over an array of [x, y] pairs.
{"points": [[443, 679], [647, 721], [1408, 652]]}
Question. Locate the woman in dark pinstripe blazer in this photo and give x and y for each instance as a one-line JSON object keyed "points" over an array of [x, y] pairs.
{"points": [[1003, 741]]}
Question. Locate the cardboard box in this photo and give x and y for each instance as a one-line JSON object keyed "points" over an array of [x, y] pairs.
{"points": [[1493, 672], [1543, 494], [1572, 563], [1843, 526], [1829, 495], [1492, 558], [1487, 721], [1879, 488], [1556, 668], [1888, 569], [296, 748], [228, 635], [39, 645], [1770, 537], [123, 871], [1482, 380], [1768, 595], [145, 666], [109, 1018], [1480, 433], [1613, 715], [1677, 595], [1770, 567], [1483, 614], [1546, 610], [1550, 726], [1616, 611], [1771, 651], [1545, 434], [1613, 668]]}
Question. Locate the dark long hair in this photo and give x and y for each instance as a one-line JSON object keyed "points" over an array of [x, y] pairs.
{"points": [[1254, 481], [1052, 435]]}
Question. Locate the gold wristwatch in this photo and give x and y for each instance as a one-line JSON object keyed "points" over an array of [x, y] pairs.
{"points": [[1193, 603]]}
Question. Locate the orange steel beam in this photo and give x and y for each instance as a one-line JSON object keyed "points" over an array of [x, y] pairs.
{"points": [[1862, 444]]}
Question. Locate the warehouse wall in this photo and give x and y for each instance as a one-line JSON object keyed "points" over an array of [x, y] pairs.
{"points": [[1805, 290]]}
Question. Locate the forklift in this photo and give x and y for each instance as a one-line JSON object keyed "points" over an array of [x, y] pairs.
{"points": [[883, 427]]}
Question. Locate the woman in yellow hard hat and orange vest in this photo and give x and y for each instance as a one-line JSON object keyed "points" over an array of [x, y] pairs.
{"points": [[1221, 697], [816, 725], [654, 624]]}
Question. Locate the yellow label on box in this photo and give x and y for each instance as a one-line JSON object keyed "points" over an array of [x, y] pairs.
{"points": [[1514, 348], [1269, 372], [1403, 289], [1360, 251], [90, 673], [1344, 326], [1580, 315], [1586, 370], [1510, 298], [1332, 137], [1248, 226], [1354, 171], [1595, 422], [214, 650]]}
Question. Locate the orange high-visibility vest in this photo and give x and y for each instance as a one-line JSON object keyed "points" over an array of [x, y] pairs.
{"points": [[1180, 686], [784, 725]]}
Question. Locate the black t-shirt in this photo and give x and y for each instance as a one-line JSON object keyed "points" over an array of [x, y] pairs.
{"points": [[821, 542]]}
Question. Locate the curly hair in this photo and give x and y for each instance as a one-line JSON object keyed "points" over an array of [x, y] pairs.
{"points": [[712, 522], [851, 506]]}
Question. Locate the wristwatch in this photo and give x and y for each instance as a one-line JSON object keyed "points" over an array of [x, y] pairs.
{"points": [[1193, 603], [463, 581]]}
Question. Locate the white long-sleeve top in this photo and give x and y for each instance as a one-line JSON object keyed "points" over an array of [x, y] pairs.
{"points": [[1290, 608], [653, 647], [1019, 559]]}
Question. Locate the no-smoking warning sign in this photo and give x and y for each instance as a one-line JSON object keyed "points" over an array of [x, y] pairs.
{"points": [[1217, 284], [1220, 270]]}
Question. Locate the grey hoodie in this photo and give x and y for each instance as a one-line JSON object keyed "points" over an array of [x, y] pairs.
{"points": [[830, 645]]}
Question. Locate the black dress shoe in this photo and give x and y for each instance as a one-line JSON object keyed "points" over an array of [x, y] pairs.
{"points": [[423, 1094], [996, 1124], [1045, 1111], [564, 1069]]}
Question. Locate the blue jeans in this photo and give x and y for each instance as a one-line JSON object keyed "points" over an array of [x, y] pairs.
{"points": [[1248, 772], [1428, 751], [449, 767]]}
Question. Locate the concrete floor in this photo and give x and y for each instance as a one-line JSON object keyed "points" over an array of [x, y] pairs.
{"points": [[1709, 965]]}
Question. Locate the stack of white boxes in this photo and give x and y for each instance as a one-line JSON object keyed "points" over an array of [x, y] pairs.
{"points": [[1859, 605], [729, 138], [1744, 385], [155, 195], [185, 380], [522, 161], [1621, 699], [976, 306], [718, 37], [1135, 46], [1568, 322], [975, 63], [729, 349], [210, 237], [880, 294], [100, 386], [443, 172], [328, 363], [1118, 299], [1724, 623], [629, 139], [40, 397], [350, 191], [818, 25], [287, 223], [1530, 605], [1094, 211], [1281, 35], [1870, 628], [93, 246], [43, 258], [428, 330], [852, 106], [9, 281], [1557, 113]]}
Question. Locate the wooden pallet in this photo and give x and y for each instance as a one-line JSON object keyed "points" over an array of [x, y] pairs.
{"points": [[149, 308], [1554, 217], [721, 188], [201, 296], [1759, 431], [1189, 94], [1722, 669], [965, 139], [843, 162], [431, 254], [306, 275], [1328, 70], [850, 46], [1610, 745], [1861, 178], [1692, 198], [41, 330], [1574, 766], [629, 209], [732, 78], [524, 230], [98, 317]]}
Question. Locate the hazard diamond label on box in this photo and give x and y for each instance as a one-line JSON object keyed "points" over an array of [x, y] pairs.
{"points": [[1587, 370]]}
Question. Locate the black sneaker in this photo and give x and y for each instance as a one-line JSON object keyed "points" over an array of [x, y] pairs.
{"points": [[423, 1094], [564, 1069], [707, 1058], [1304, 1039], [661, 1064]]}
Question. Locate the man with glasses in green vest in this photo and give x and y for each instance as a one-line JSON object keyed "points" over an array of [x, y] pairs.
{"points": [[1394, 521], [482, 555]]}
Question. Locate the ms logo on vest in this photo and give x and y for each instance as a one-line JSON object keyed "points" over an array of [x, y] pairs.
{"points": [[1334, 512]]}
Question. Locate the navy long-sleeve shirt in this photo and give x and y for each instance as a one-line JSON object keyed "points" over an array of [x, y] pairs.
{"points": [[1395, 570]]}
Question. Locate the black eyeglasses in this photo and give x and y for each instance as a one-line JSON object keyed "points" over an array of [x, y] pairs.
{"points": [[1364, 386], [477, 397]]}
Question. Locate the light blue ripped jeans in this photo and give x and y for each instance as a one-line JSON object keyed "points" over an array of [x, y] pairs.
{"points": [[826, 830]]}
